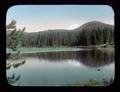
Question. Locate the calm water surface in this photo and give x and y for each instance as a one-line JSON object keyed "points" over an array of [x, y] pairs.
{"points": [[60, 68]]}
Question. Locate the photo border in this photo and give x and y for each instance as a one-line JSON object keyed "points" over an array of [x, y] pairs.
{"points": [[5, 5]]}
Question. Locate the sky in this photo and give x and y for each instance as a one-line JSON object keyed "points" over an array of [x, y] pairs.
{"points": [[44, 17]]}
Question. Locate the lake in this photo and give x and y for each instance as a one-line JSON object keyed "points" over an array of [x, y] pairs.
{"points": [[60, 68]]}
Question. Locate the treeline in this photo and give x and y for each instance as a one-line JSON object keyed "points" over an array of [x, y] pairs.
{"points": [[91, 33]]}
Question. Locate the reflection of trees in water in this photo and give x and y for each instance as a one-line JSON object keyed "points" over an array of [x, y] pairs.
{"points": [[13, 79], [93, 58], [96, 58], [15, 64]]}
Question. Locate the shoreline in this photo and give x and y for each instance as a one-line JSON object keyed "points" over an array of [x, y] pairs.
{"points": [[57, 49]]}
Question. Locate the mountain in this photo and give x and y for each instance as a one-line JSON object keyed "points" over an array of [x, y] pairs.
{"points": [[90, 33], [93, 25], [87, 26]]}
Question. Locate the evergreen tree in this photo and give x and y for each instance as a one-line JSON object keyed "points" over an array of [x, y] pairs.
{"points": [[14, 36]]}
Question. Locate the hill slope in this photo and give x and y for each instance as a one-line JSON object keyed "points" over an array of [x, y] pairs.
{"points": [[90, 33]]}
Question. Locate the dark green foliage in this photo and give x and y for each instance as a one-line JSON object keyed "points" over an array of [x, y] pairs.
{"points": [[14, 36], [11, 25], [15, 64], [91, 33], [16, 56]]}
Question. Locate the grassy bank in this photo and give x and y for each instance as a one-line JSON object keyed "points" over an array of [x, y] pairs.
{"points": [[93, 83], [55, 49], [37, 50]]}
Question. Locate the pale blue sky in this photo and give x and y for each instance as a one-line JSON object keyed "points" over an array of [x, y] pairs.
{"points": [[44, 17]]}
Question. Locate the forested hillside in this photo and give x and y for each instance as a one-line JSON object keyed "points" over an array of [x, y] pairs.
{"points": [[91, 33]]}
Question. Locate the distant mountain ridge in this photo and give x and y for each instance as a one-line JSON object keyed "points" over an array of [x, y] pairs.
{"points": [[90, 33], [88, 25], [93, 25]]}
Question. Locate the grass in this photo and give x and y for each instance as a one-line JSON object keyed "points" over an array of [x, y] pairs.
{"points": [[62, 48], [93, 83], [50, 49]]}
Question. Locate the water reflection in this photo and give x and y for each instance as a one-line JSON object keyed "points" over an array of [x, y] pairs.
{"points": [[60, 68], [93, 58], [13, 79]]}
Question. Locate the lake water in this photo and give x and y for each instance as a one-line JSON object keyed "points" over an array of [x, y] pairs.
{"points": [[60, 68]]}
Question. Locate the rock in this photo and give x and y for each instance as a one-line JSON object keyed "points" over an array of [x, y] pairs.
{"points": [[98, 69]]}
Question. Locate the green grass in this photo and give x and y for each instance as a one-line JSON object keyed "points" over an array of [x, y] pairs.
{"points": [[93, 83], [36, 50], [55, 49]]}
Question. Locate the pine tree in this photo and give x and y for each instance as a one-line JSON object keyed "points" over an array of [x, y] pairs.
{"points": [[15, 36]]}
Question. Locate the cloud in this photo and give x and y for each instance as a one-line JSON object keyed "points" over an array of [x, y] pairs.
{"points": [[73, 26]]}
